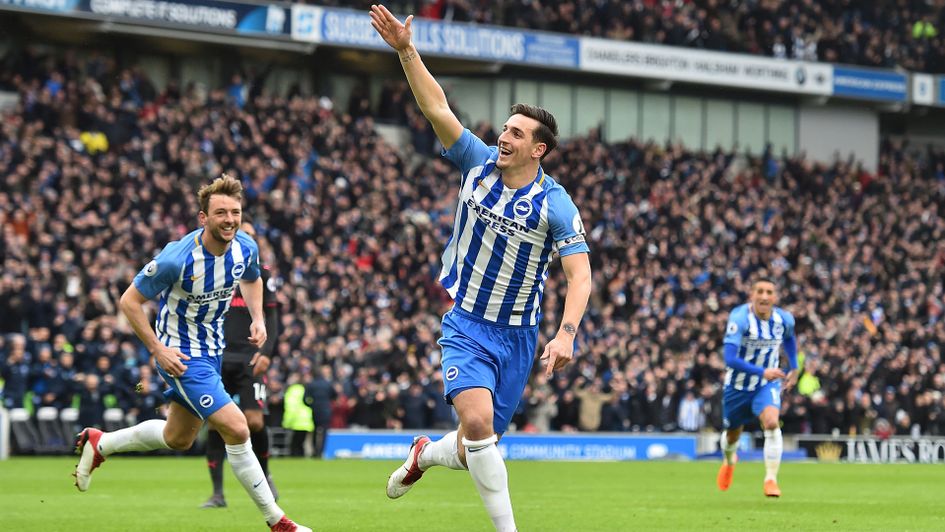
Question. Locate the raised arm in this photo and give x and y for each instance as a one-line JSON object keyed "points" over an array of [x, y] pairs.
{"points": [[426, 90]]}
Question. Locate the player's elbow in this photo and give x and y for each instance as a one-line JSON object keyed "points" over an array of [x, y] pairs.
{"points": [[585, 279], [435, 109], [126, 302]]}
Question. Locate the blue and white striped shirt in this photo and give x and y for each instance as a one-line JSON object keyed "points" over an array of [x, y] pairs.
{"points": [[196, 288], [496, 261], [758, 342]]}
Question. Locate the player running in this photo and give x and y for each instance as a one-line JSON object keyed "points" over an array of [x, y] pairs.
{"points": [[195, 278], [244, 378], [753, 339], [510, 220]]}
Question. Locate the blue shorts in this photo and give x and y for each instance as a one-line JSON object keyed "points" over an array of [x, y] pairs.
{"points": [[739, 407], [479, 354], [200, 389]]}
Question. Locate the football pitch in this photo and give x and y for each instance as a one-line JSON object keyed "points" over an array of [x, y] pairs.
{"points": [[163, 493]]}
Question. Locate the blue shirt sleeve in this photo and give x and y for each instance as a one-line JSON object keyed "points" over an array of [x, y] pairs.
{"points": [[468, 152], [733, 361], [159, 274], [252, 261], [790, 340], [734, 332], [567, 228], [790, 347], [737, 325]]}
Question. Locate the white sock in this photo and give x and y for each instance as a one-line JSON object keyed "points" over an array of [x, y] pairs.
{"points": [[773, 447], [728, 449], [442, 452], [145, 436], [492, 481], [250, 474]]}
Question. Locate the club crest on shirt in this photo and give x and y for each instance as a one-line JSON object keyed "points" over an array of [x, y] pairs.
{"points": [[777, 330], [238, 270], [151, 268], [522, 208]]}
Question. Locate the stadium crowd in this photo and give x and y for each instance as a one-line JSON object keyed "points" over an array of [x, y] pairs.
{"points": [[100, 170], [883, 33]]}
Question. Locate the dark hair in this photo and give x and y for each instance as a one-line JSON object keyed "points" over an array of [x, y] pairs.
{"points": [[764, 279], [547, 130]]}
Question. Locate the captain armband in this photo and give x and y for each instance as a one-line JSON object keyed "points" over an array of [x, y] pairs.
{"points": [[576, 239]]}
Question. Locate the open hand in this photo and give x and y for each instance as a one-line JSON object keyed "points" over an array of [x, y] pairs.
{"points": [[395, 34]]}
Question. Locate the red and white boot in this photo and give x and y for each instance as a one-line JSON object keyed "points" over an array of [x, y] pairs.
{"points": [[287, 525], [86, 446], [405, 476]]}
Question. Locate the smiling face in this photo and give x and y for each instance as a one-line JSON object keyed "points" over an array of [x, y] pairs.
{"points": [[517, 143], [222, 218], [763, 298]]}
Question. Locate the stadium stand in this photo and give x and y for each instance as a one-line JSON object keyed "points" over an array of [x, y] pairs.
{"points": [[101, 166], [886, 33]]}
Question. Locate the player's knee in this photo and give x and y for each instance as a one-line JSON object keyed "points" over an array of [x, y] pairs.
{"points": [[178, 442], [235, 434], [255, 423], [769, 422], [477, 427]]}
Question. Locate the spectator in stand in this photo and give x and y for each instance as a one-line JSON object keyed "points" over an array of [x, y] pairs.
{"points": [[15, 372], [690, 413], [592, 397], [91, 403], [340, 407], [44, 375], [414, 405], [149, 398], [319, 395], [615, 414], [882, 33], [542, 405], [569, 407]]}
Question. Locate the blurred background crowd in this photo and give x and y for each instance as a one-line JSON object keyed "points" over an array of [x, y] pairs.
{"points": [[100, 169], [879, 33]]}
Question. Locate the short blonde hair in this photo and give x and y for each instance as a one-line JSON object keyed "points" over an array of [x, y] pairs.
{"points": [[226, 185]]}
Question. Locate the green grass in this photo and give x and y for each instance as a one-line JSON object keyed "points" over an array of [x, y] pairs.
{"points": [[162, 493]]}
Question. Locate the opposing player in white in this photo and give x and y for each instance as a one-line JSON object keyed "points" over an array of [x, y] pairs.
{"points": [[511, 220], [195, 278]]}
